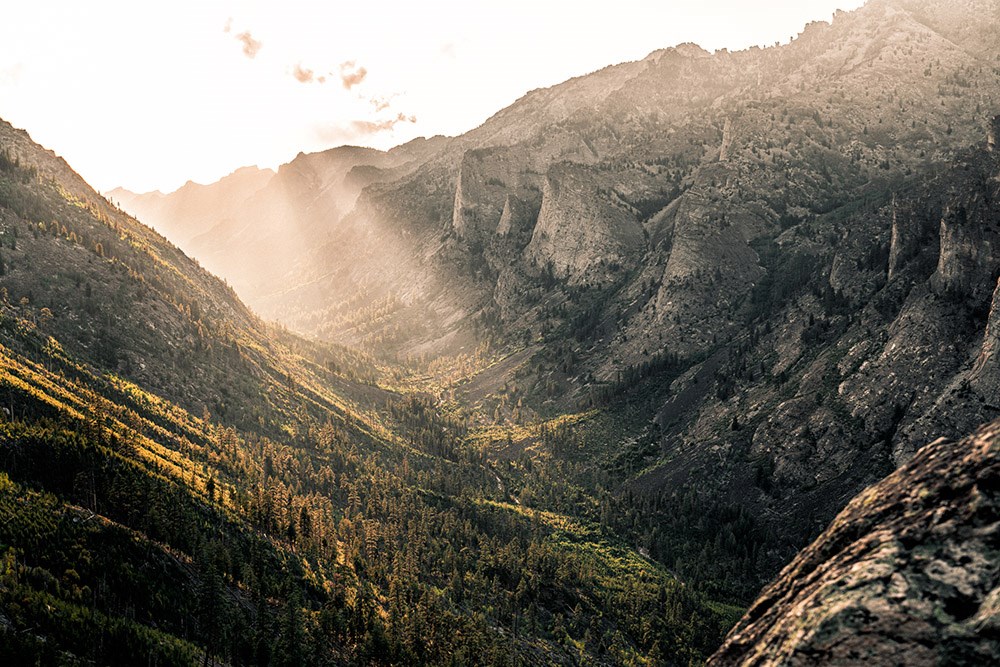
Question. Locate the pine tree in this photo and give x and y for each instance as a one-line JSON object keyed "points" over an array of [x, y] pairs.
{"points": [[289, 649], [305, 523], [210, 612]]}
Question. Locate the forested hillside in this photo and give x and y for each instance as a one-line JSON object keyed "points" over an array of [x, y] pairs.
{"points": [[182, 482]]}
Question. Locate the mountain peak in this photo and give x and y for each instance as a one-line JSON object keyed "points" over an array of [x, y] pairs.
{"points": [[691, 50], [684, 50]]}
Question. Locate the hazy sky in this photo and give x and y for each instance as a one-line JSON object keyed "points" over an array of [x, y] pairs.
{"points": [[149, 94]]}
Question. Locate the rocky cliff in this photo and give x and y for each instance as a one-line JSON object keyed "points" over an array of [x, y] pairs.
{"points": [[686, 160], [581, 235], [907, 574]]}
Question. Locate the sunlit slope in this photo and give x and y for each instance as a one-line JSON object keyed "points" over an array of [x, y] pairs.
{"points": [[180, 482]]}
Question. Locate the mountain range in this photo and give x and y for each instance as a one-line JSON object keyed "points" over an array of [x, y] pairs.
{"points": [[768, 235], [570, 388]]}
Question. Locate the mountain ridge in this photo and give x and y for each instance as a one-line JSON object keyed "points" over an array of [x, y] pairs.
{"points": [[520, 121]]}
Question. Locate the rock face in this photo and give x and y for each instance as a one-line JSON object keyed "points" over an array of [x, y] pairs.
{"points": [[968, 257], [485, 180], [907, 574], [985, 375], [580, 233], [517, 217], [911, 231]]}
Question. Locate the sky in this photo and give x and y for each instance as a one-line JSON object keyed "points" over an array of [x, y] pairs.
{"points": [[150, 94]]}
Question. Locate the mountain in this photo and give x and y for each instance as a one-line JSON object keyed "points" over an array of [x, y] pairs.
{"points": [[193, 208], [619, 179], [255, 226], [907, 574], [640, 181], [183, 483], [614, 184], [753, 281]]}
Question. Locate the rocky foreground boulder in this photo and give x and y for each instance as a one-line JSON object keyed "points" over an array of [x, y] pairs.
{"points": [[908, 574]]}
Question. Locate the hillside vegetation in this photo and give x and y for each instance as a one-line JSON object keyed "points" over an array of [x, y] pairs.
{"points": [[181, 483]]}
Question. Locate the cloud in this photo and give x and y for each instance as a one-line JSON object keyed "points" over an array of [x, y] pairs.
{"points": [[351, 75], [361, 128], [380, 103], [250, 45], [335, 134], [303, 74]]}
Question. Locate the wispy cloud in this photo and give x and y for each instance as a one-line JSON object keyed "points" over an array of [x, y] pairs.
{"points": [[251, 46], [364, 127], [380, 103], [357, 129], [335, 133], [351, 74], [303, 74]]}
